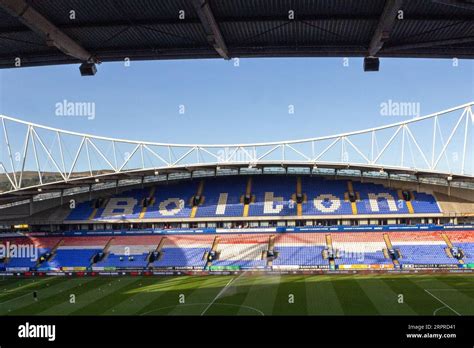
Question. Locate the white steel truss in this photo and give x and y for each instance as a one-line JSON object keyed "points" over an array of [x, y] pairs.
{"points": [[439, 143]]}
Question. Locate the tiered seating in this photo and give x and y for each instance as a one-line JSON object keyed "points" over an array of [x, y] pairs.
{"points": [[465, 241], [242, 250], [233, 187], [182, 257], [122, 207], [424, 203], [421, 248], [184, 251], [41, 246], [246, 250], [468, 249], [382, 205], [129, 252], [424, 254], [300, 249], [76, 257], [75, 252], [333, 200], [174, 199], [82, 211], [300, 256], [359, 248], [282, 187], [124, 261]]}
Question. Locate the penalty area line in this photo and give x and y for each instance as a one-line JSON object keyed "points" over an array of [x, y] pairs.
{"points": [[442, 302]]}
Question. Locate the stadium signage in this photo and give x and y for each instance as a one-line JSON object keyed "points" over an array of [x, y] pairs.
{"points": [[37, 331], [123, 208], [280, 229]]}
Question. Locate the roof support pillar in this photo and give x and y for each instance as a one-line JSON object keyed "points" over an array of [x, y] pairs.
{"points": [[385, 26], [213, 33], [42, 26]]}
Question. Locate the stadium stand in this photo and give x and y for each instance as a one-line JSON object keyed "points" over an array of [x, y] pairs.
{"points": [[303, 249], [184, 251], [222, 198], [245, 251], [269, 196]]}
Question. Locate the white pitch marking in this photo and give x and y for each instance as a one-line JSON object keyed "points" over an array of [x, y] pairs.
{"points": [[444, 303], [222, 291], [200, 304], [14, 299], [217, 296]]}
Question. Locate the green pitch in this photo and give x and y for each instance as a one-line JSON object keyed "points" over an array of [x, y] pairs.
{"points": [[241, 295]]}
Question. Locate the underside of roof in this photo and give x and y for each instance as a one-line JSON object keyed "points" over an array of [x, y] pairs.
{"points": [[50, 32]]}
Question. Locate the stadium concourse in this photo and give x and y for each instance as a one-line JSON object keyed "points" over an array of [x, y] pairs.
{"points": [[272, 223]]}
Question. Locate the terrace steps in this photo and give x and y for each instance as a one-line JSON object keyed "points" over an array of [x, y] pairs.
{"points": [[248, 192], [53, 251], [332, 264], [199, 194], [214, 246], [450, 245], [350, 189], [299, 206], [389, 245], [157, 249], [152, 201], [408, 203], [271, 247]]}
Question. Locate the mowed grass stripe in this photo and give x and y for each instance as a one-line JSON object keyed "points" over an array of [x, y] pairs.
{"points": [[52, 305], [181, 285], [384, 298], [261, 294], [86, 294], [117, 295], [413, 294], [354, 300], [133, 300], [291, 296], [200, 299], [457, 300], [321, 298], [314, 294], [47, 296], [230, 301], [462, 284], [23, 286]]}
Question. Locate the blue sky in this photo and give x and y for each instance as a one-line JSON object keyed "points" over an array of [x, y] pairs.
{"points": [[226, 104]]}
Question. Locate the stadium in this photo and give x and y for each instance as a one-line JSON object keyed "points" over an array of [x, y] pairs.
{"points": [[340, 218], [241, 217]]}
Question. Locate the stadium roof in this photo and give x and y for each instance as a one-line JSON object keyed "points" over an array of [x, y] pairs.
{"points": [[48, 162], [72, 31]]}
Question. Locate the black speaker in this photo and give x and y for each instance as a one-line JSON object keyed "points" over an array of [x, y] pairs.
{"points": [[406, 195], [352, 197], [196, 200], [299, 198], [88, 69], [247, 199], [371, 64]]}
